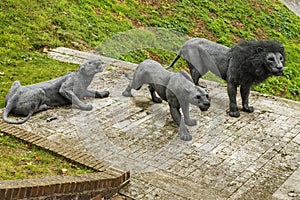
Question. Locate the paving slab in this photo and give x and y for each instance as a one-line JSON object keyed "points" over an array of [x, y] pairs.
{"points": [[290, 187], [255, 156]]}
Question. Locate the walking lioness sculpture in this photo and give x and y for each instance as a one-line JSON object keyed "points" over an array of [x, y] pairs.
{"points": [[70, 88], [177, 89], [245, 64]]}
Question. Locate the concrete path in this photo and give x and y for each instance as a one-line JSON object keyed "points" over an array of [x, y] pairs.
{"points": [[256, 156]]}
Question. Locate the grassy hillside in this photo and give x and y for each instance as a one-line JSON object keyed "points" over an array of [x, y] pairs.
{"points": [[29, 28]]}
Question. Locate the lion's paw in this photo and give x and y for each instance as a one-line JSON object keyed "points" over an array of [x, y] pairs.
{"points": [[191, 122], [248, 109], [234, 113]]}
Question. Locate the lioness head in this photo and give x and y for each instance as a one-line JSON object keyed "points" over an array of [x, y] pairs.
{"points": [[91, 67], [198, 96], [274, 63]]}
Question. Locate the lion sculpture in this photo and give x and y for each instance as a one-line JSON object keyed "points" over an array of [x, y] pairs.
{"points": [[177, 89], [247, 63], [70, 88]]}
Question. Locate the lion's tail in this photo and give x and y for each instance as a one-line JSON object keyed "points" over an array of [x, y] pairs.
{"points": [[6, 112], [173, 62]]}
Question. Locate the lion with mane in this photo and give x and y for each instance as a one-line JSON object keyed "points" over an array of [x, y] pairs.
{"points": [[245, 64]]}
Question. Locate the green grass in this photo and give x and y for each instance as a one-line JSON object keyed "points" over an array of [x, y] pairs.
{"points": [[20, 160], [114, 27]]}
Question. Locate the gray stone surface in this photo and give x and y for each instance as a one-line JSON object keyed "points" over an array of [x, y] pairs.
{"points": [[290, 187], [293, 5], [250, 157]]}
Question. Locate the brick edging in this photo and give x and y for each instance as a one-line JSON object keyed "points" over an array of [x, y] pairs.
{"points": [[66, 151], [56, 187], [106, 181]]}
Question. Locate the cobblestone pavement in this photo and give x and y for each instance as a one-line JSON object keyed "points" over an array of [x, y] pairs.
{"points": [[256, 156]]}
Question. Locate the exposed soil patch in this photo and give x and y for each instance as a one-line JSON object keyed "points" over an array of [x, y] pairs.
{"points": [[200, 30], [155, 3]]}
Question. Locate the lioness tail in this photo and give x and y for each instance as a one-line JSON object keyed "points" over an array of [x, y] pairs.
{"points": [[10, 121]]}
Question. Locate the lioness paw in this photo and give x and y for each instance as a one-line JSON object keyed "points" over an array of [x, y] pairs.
{"points": [[126, 94], [87, 107], [190, 122], [156, 100], [102, 94], [184, 132], [186, 137]]}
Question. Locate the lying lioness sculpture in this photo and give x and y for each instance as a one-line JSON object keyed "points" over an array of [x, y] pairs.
{"points": [[177, 89], [70, 88]]}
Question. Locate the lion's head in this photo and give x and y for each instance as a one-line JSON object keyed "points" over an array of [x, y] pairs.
{"points": [[274, 63], [260, 58]]}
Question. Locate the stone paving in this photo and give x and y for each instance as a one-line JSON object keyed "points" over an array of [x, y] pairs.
{"points": [[256, 156]]}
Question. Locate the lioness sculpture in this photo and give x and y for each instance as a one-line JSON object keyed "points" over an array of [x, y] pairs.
{"points": [[247, 63], [70, 88], [175, 88]]}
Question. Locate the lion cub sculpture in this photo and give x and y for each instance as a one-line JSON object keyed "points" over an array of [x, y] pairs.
{"points": [[247, 63], [70, 88], [177, 89]]}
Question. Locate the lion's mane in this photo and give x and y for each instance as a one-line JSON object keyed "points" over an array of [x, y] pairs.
{"points": [[249, 59]]}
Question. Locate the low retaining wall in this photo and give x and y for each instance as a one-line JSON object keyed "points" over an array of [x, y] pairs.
{"points": [[104, 183], [84, 186]]}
